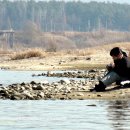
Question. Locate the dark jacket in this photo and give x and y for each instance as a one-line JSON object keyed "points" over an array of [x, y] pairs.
{"points": [[122, 67]]}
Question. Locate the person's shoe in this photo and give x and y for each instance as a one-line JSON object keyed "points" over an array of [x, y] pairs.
{"points": [[125, 84], [98, 87]]}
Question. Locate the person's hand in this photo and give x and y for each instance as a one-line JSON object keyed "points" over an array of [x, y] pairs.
{"points": [[110, 66]]}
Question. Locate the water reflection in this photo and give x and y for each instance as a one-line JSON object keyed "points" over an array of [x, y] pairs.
{"points": [[118, 113]]}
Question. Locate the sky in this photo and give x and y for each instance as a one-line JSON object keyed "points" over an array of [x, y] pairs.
{"points": [[117, 1]]}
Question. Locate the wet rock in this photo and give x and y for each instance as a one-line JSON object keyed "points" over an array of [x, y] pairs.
{"points": [[22, 88], [88, 58], [92, 105], [17, 96], [27, 94], [33, 82], [4, 93], [33, 75], [79, 76], [41, 94], [22, 84], [66, 81], [5, 68], [98, 95], [40, 87], [28, 86], [55, 84], [49, 73], [92, 71]]}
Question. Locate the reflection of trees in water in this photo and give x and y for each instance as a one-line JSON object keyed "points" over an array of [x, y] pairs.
{"points": [[118, 113]]}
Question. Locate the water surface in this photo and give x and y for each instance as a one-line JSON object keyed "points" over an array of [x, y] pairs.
{"points": [[59, 114], [10, 77], [64, 115]]}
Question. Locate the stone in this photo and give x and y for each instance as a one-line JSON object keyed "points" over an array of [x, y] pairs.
{"points": [[41, 94], [80, 94], [39, 87], [27, 94], [33, 82], [22, 84], [66, 81]]}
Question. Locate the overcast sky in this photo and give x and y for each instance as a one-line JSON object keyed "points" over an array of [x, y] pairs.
{"points": [[117, 1]]}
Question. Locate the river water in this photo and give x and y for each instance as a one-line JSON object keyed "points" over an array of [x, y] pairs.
{"points": [[60, 114], [64, 115], [12, 77]]}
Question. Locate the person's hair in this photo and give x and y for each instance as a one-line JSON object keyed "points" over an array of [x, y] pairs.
{"points": [[115, 51]]}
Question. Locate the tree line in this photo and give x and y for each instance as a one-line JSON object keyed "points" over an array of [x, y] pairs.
{"points": [[56, 16]]}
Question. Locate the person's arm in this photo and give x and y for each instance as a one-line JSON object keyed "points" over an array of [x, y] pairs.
{"points": [[110, 66]]}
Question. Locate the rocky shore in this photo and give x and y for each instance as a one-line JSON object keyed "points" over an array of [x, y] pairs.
{"points": [[65, 89], [44, 90], [89, 74]]}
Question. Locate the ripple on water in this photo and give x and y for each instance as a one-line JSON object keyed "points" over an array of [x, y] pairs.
{"points": [[64, 115]]}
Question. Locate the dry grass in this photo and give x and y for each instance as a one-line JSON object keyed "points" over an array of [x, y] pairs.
{"points": [[4, 52], [125, 46], [104, 49], [28, 54], [81, 52]]}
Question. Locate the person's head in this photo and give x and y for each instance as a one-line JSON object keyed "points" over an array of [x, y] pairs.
{"points": [[116, 53]]}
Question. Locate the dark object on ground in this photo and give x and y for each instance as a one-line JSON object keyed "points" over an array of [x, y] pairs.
{"points": [[98, 87]]}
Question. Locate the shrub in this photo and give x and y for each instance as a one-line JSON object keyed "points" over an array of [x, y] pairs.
{"points": [[28, 54]]}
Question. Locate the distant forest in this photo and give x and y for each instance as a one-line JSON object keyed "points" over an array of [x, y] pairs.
{"points": [[58, 16], [57, 25]]}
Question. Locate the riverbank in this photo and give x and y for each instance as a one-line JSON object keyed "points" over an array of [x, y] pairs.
{"points": [[65, 89], [80, 60], [62, 90], [37, 59]]}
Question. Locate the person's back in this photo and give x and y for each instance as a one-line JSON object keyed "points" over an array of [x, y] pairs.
{"points": [[121, 62]]}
